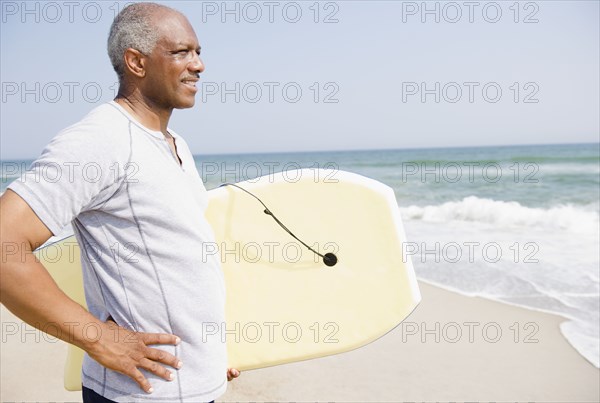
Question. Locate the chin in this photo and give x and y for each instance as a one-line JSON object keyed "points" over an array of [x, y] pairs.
{"points": [[188, 103]]}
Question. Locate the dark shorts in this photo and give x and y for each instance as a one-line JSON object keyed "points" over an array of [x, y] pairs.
{"points": [[89, 396]]}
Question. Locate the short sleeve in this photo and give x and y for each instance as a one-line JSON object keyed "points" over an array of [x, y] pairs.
{"points": [[76, 171]]}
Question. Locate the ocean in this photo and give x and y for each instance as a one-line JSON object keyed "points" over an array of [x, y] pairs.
{"points": [[516, 224]]}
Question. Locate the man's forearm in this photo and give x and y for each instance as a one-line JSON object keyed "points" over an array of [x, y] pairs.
{"points": [[28, 291]]}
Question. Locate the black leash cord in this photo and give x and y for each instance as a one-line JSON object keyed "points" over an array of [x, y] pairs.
{"points": [[329, 258]]}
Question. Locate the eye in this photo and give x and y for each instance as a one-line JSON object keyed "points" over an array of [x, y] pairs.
{"points": [[185, 52]]}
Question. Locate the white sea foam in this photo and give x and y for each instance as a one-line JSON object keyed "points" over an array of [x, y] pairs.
{"points": [[507, 215], [562, 169]]}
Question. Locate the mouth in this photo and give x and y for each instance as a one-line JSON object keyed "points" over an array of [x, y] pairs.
{"points": [[190, 83]]}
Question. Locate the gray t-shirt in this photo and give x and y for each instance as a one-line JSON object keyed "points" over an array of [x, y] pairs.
{"points": [[138, 216]]}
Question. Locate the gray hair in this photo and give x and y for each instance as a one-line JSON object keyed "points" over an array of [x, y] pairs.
{"points": [[132, 28]]}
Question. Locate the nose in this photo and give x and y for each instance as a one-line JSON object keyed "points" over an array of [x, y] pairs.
{"points": [[196, 65]]}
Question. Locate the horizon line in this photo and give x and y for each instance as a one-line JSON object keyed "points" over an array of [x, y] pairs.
{"points": [[2, 159]]}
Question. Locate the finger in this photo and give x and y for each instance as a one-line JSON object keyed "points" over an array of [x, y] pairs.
{"points": [[141, 380], [156, 369], [232, 373], [156, 354], [159, 338]]}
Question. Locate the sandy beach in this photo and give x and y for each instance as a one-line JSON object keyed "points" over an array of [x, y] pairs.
{"points": [[452, 348]]}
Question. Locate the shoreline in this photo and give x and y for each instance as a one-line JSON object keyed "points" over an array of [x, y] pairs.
{"points": [[565, 318], [423, 359]]}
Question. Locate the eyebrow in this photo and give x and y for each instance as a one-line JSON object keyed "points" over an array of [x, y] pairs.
{"points": [[186, 45]]}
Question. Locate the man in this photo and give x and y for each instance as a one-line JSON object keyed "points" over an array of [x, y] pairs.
{"points": [[139, 224]]}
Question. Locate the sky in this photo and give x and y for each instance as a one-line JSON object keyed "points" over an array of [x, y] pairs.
{"points": [[337, 75]]}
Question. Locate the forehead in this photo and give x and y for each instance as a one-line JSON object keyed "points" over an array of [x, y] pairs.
{"points": [[175, 30]]}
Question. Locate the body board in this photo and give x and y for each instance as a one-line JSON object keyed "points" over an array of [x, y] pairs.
{"points": [[283, 303]]}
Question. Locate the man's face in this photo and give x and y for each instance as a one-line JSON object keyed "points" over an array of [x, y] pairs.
{"points": [[173, 67]]}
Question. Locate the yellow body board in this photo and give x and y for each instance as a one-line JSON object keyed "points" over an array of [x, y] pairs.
{"points": [[283, 303]]}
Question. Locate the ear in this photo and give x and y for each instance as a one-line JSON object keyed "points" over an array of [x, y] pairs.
{"points": [[135, 62]]}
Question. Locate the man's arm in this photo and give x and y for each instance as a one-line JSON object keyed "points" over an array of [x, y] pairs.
{"points": [[28, 290]]}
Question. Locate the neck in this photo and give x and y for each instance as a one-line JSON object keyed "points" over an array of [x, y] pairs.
{"points": [[147, 112]]}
